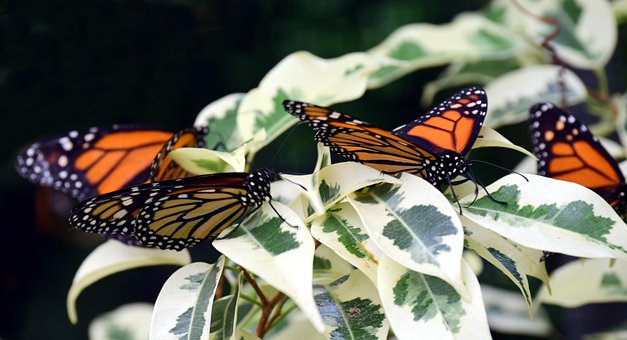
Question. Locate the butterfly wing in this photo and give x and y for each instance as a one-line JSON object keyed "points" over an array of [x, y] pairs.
{"points": [[174, 214], [453, 125], [359, 141], [94, 161], [163, 167], [568, 151]]}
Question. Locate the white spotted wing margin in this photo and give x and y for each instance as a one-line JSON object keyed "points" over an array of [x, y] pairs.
{"points": [[175, 214], [183, 308]]}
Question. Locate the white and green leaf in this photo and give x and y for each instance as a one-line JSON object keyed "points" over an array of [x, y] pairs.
{"points": [[586, 281], [341, 229], [508, 314], [424, 305], [515, 261], [416, 225], [220, 117], [279, 253], [319, 81], [224, 318], [469, 37], [183, 307], [512, 94], [587, 33], [113, 257], [491, 138], [130, 321], [551, 215], [350, 307]]}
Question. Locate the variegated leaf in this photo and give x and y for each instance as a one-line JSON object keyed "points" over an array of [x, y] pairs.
{"points": [[416, 225], [552, 215], [419, 305], [113, 257], [511, 95], [350, 307], [341, 229], [183, 308], [586, 281], [514, 260], [278, 252], [469, 36]]}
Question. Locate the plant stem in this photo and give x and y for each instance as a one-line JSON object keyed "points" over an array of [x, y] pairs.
{"points": [[603, 90], [253, 283]]}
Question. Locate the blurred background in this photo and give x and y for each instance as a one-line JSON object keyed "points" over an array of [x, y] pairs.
{"points": [[67, 64]]}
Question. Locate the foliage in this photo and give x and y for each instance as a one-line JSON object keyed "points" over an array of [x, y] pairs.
{"points": [[358, 253]]}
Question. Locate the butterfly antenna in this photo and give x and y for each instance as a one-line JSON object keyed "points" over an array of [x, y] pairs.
{"points": [[499, 167], [450, 184], [478, 182], [281, 217], [282, 145], [298, 184]]}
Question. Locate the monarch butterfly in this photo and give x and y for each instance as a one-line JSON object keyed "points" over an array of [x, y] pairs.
{"points": [[431, 147], [568, 151], [176, 214], [98, 160]]}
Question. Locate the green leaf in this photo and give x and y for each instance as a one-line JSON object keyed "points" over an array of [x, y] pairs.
{"points": [[417, 303], [113, 257], [183, 307], [422, 232], [278, 252], [551, 215], [586, 281], [350, 307]]}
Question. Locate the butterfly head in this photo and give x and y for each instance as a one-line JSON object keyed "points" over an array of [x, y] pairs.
{"points": [[446, 167], [258, 185]]}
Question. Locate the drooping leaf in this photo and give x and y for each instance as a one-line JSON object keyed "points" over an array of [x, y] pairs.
{"points": [[113, 257]]}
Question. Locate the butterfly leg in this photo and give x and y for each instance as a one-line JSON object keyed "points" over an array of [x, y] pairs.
{"points": [[450, 184]]}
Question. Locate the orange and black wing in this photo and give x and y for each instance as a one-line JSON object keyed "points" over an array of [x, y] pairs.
{"points": [[94, 161], [163, 167], [175, 214], [359, 141], [453, 125], [568, 151]]}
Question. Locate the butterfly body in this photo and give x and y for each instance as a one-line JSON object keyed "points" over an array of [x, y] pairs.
{"points": [[89, 162], [431, 147], [568, 151], [176, 214]]}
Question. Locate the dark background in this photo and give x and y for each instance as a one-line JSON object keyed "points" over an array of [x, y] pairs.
{"points": [[74, 64]]}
